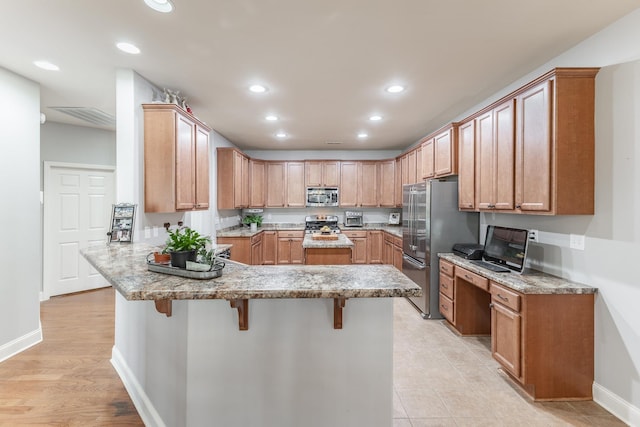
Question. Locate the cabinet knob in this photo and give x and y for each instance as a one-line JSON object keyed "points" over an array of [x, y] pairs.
{"points": [[518, 206], [491, 305]]}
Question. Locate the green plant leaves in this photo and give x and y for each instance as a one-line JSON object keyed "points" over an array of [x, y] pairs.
{"points": [[185, 239]]}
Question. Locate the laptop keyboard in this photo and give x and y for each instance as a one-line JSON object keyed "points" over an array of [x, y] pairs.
{"points": [[492, 267]]}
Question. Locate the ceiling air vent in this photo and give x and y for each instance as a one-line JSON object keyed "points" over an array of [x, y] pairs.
{"points": [[91, 115]]}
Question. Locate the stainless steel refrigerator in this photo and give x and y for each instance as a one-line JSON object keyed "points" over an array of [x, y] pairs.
{"points": [[432, 223]]}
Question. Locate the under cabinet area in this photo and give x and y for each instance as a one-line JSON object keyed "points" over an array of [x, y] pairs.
{"points": [[176, 160], [543, 338]]}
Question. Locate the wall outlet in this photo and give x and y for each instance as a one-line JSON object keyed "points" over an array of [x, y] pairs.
{"points": [[533, 235], [576, 241], [147, 232], [155, 231]]}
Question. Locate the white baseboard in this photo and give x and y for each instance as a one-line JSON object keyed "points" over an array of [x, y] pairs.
{"points": [[141, 401], [619, 407], [21, 344]]}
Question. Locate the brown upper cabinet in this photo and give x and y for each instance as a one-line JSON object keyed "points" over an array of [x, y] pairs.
{"points": [[285, 184], [495, 139], [534, 148], [322, 173], [439, 153], [466, 165], [257, 180], [176, 160], [387, 183], [233, 179], [359, 184]]}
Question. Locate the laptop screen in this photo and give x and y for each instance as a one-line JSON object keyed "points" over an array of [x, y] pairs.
{"points": [[506, 246]]}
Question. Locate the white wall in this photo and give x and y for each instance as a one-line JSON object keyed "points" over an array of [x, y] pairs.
{"points": [[61, 142], [21, 247], [612, 244]]}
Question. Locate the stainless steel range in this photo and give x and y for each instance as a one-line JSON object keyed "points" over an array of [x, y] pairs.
{"points": [[314, 223]]}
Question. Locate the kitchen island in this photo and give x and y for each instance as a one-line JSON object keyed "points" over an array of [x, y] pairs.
{"points": [[320, 250], [316, 350]]}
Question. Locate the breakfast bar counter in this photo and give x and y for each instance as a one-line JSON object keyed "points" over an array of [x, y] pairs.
{"points": [[194, 364]]}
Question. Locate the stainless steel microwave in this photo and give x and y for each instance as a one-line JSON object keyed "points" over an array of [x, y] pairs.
{"points": [[322, 196]]}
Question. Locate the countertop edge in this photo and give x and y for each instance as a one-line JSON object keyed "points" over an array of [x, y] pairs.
{"points": [[530, 282]]}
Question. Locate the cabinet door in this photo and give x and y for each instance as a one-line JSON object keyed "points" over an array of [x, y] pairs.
{"points": [[284, 250], [419, 165], [256, 253], [427, 159], [275, 184], [486, 172], [368, 188], [185, 164], [295, 185], [244, 201], [411, 165], [506, 338], [238, 180], [387, 252], [297, 251], [202, 168], [397, 256], [405, 170], [375, 247], [398, 189], [387, 174], [444, 160], [348, 184], [359, 250], [269, 247], [533, 149], [331, 174], [313, 174], [466, 166], [257, 178], [504, 155]]}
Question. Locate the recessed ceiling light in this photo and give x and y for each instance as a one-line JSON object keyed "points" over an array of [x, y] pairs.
{"points": [[395, 89], [257, 88], [128, 48], [281, 135], [362, 135], [164, 6], [271, 118], [375, 118], [46, 65]]}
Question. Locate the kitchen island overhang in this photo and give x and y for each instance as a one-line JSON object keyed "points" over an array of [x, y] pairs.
{"points": [[290, 368]]}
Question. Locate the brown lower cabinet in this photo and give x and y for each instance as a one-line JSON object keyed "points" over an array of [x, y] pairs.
{"points": [[542, 341], [290, 249], [269, 247], [392, 250], [359, 250]]}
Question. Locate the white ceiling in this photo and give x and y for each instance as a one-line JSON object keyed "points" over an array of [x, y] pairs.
{"points": [[326, 63]]}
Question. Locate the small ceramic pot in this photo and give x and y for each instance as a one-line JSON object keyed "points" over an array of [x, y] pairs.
{"points": [[160, 258], [179, 259]]}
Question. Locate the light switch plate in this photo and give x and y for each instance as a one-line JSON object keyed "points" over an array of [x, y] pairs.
{"points": [[576, 241]]}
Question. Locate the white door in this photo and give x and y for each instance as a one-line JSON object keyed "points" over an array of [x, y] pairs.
{"points": [[77, 209]]}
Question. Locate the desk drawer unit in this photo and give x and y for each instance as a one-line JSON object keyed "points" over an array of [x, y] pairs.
{"points": [[473, 278]]}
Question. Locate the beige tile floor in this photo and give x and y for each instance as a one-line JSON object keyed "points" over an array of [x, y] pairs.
{"points": [[442, 379]]}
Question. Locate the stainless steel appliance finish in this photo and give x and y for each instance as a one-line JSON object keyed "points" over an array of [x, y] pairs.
{"points": [[432, 223], [313, 223], [353, 219], [322, 196]]}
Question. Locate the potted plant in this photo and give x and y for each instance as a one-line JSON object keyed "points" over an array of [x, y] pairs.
{"points": [[253, 219], [162, 257], [183, 245]]}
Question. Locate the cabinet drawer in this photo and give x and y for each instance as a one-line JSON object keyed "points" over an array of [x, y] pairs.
{"points": [[256, 238], [291, 233], [397, 241], [446, 268], [388, 237], [355, 234], [446, 308], [446, 285], [473, 278], [505, 297]]}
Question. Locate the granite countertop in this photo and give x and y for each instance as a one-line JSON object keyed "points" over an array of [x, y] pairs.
{"points": [[529, 282], [310, 243], [124, 266], [243, 231]]}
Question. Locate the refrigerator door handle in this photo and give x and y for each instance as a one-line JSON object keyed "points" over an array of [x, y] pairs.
{"points": [[411, 261]]}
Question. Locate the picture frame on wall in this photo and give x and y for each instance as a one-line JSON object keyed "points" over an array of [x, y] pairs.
{"points": [[122, 220]]}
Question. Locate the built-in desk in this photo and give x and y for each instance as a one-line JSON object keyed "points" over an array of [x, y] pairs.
{"points": [[541, 326]]}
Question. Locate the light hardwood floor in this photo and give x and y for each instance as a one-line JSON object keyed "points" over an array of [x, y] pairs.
{"points": [[440, 379], [68, 380]]}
